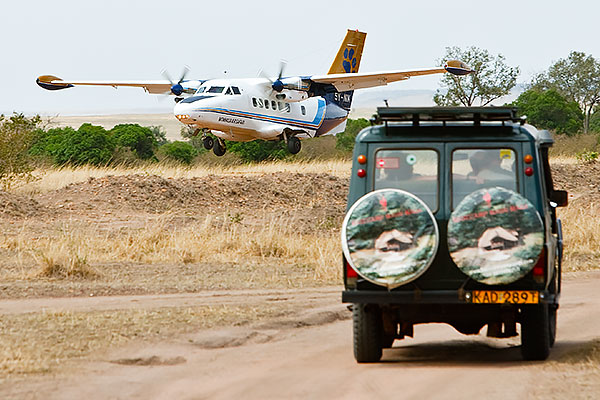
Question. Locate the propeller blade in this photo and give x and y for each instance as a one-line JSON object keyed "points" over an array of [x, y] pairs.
{"points": [[282, 66], [186, 69], [166, 75]]}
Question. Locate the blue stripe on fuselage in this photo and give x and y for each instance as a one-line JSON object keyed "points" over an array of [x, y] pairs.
{"points": [[314, 124]]}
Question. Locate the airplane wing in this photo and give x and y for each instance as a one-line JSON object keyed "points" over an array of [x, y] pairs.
{"points": [[51, 82], [351, 81]]}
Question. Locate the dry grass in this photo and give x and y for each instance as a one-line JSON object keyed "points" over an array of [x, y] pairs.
{"points": [[42, 342], [570, 146], [581, 236], [71, 250], [48, 179]]}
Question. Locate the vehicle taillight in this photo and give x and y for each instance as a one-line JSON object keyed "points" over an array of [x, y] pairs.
{"points": [[351, 275], [539, 269], [350, 272]]}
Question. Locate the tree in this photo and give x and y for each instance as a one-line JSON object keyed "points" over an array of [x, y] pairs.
{"points": [[17, 133], [345, 140], [492, 78], [577, 78], [138, 138], [549, 110]]}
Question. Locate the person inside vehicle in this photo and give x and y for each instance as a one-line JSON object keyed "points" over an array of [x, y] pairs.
{"points": [[486, 167]]}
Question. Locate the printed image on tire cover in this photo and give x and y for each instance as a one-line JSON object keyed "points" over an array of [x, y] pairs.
{"points": [[390, 237], [495, 236]]}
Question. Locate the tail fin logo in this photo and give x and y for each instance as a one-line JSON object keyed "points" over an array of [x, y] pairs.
{"points": [[349, 62]]}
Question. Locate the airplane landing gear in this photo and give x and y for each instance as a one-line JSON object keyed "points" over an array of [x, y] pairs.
{"points": [[219, 148], [208, 142], [293, 145]]}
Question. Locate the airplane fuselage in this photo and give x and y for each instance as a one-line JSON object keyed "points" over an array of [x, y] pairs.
{"points": [[243, 110]]}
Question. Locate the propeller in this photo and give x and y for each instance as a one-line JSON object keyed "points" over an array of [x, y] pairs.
{"points": [[276, 84], [176, 88]]}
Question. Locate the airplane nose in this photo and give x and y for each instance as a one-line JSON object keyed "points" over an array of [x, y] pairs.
{"points": [[183, 113]]}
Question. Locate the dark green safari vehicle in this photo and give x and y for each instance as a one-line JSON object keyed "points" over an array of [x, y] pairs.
{"points": [[451, 219]]}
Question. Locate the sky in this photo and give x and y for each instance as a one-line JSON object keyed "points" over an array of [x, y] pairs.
{"points": [[121, 40]]}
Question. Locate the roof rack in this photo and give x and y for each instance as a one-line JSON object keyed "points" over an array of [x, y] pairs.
{"points": [[447, 114]]}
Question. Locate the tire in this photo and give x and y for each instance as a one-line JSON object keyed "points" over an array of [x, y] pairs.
{"points": [[387, 341], [535, 332], [208, 142], [552, 312], [368, 333], [219, 148], [294, 145]]}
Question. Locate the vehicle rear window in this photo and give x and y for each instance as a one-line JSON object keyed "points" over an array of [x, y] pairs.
{"points": [[415, 171], [474, 169]]}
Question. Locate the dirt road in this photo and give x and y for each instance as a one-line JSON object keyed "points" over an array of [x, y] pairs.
{"points": [[310, 356]]}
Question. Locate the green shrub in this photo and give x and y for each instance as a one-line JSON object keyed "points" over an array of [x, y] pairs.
{"points": [[587, 156], [345, 140], [139, 139], [180, 151], [259, 150], [87, 145]]}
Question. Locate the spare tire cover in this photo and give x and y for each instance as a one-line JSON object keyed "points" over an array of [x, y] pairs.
{"points": [[389, 237], [495, 236]]}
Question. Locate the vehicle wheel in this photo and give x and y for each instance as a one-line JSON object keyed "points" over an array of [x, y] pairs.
{"points": [[219, 148], [552, 324], [368, 332], [208, 142], [294, 145], [535, 332]]}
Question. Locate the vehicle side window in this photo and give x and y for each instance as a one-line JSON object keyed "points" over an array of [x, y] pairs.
{"points": [[415, 171], [474, 169], [303, 110], [236, 90]]}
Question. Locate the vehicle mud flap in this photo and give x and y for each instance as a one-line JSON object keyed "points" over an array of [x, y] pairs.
{"points": [[390, 237], [495, 236]]}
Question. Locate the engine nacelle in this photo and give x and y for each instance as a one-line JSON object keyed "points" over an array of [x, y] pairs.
{"points": [[292, 96]]}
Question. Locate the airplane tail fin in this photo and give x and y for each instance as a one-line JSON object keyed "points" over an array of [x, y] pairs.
{"points": [[348, 57]]}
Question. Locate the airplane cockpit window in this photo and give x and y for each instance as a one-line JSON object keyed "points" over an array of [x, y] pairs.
{"points": [[201, 89], [228, 91], [236, 90], [216, 89]]}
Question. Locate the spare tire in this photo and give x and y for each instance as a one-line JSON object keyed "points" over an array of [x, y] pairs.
{"points": [[389, 237], [495, 236]]}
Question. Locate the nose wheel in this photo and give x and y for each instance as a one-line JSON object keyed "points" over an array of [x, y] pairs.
{"points": [[219, 148], [293, 145]]}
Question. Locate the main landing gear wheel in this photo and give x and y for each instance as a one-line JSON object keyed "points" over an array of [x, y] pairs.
{"points": [[293, 145], [208, 142], [219, 148]]}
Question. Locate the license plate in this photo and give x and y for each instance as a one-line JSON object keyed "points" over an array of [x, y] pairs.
{"points": [[505, 296]]}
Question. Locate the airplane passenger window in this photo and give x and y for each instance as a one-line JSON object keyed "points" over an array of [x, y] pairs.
{"points": [[216, 89], [254, 102], [267, 104], [228, 91], [260, 103], [273, 104], [236, 90], [288, 107], [280, 106], [303, 109]]}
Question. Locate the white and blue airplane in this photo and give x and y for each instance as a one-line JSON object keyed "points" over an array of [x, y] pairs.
{"points": [[282, 108]]}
